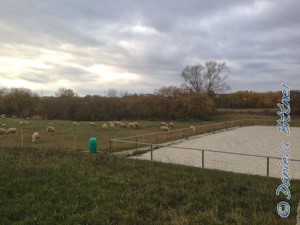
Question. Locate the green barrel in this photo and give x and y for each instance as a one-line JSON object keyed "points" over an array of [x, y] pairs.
{"points": [[92, 144]]}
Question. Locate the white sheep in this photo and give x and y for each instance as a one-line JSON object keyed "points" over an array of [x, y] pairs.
{"points": [[50, 130], [163, 124], [36, 137], [3, 124], [21, 123], [171, 125], [137, 125], [75, 124], [131, 125], [2, 131], [193, 128], [165, 128], [112, 125], [104, 126], [92, 124], [12, 131], [123, 125]]}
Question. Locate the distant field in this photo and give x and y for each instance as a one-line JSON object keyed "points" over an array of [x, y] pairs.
{"points": [[66, 187]]}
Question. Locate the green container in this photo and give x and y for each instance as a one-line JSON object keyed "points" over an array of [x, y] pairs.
{"points": [[92, 145]]}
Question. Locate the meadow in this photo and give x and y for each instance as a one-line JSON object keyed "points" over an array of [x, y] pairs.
{"points": [[39, 186], [55, 183]]}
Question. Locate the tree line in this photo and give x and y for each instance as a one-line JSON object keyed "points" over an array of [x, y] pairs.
{"points": [[165, 103]]}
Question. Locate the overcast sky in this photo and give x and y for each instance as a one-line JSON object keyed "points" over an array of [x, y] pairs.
{"points": [[141, 45]]}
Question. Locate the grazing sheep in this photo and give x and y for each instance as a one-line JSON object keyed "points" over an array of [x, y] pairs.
{"points": [[165, 128], [131, 125], [2, 131], [75, 124], [11, 131], [36, 137], [26, 122], [118, 123], [92, 124], [137, 125], [123, 125], [163, 124], [21, 123], [112, 125], [104, 126], [193, 128], [3, 124], [171, 125], [50, 130]]}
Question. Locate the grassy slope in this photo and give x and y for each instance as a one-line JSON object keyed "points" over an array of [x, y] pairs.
{"points": [[63, 187]]}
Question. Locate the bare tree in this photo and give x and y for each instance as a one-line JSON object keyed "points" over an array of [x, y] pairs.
{"points": [[206, 79]]}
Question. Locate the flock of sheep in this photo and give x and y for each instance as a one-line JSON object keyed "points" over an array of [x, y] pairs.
{"points": [[165, 127]]}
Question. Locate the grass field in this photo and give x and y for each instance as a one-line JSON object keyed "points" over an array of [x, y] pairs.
{"points": [[64, 187], [67, 137], [53, 183]]}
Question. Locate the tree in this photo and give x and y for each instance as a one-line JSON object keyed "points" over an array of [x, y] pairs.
{"points": [[206, 79], [64, 92]]}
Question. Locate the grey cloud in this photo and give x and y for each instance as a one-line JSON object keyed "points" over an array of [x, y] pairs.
{"points": [[262, 44]]}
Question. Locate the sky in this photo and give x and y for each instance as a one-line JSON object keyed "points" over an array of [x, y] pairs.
{"points": [[137, 46]]}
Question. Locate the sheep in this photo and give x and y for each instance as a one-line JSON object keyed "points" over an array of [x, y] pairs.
{"points": [[21, 123], [118, 123], [171, 125], [36, 137], [163, 124], [2, 131], [165, 128], [123, 125], [11, 131], [50, 130], [3, 124], [104, 126], [137, 125], [112, 125], [131, 125], [92, 125], [75, 124], [26, 122], [193, 128]]}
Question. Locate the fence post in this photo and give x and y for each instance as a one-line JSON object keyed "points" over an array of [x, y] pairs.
{"points": [[202, 159], [151, 152], [155, 138], [268, 166]]}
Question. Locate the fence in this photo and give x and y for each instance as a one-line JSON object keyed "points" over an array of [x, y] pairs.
{"points": [[259, 164], [138, 141], [59, 140]]}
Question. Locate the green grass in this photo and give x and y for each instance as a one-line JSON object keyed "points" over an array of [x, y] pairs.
{"points": [[65, 134], [39, 186]]}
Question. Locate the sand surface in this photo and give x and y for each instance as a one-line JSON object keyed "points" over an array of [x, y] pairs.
{"points": [[255, 140]]}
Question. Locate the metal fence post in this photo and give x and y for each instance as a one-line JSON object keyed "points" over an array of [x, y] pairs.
{"points": [[202, 158], [268, 166]]}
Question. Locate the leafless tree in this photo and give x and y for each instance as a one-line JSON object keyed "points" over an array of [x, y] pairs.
{"points": [[207, 79]]}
